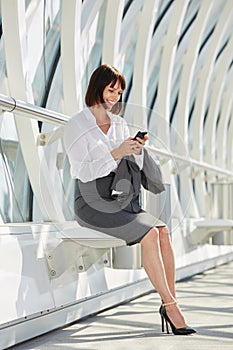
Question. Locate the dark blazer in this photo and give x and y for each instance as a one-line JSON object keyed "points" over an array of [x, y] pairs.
{"points": [[129, 178]]}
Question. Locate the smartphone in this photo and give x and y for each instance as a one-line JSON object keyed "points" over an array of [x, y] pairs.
{"points": [[140, 134]]}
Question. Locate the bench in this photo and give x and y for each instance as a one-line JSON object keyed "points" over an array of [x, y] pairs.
{"points": [[80, 247], [68, 245], [207, 228]]}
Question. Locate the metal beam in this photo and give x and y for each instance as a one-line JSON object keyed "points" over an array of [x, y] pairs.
{"points": [[71, 54], [112, 31], [28, 110]]}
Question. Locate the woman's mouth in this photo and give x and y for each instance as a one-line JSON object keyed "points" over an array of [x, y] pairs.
{"points": [[110, 104]]}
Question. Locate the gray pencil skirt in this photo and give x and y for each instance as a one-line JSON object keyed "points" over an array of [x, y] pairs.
{"points": [[95, 208]]}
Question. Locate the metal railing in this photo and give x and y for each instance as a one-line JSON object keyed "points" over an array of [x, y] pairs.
{"points": [[9, 104], [190, 161]]}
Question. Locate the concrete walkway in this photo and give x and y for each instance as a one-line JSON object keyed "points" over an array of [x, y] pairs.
{"points": [[207, 303]]}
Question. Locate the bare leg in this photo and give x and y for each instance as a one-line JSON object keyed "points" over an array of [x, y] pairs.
{"points": [[153, 264], [168, 258], [154, 267]]}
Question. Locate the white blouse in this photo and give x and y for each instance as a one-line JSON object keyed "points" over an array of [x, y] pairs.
{"points": [[89, 148]]}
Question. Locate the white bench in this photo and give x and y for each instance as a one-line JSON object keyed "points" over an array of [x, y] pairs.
{"points": [[66, 245], [206, 228], [80, 247]]}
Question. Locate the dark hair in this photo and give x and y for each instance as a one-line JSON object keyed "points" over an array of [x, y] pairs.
{"points": [[104, 75]]}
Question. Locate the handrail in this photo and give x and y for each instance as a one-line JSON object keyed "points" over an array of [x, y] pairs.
{"points": [[189, 161], [9, 104]]}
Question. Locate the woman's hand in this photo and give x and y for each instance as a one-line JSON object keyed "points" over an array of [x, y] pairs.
{"points": [[126, 148], [140, 145], [142, 141], [129, 147]]}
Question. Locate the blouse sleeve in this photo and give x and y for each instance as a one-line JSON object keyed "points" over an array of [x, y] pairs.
{"points": [[89, 158]]}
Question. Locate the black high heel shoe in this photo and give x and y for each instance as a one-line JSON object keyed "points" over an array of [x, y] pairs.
{"points": [[175, 331]]}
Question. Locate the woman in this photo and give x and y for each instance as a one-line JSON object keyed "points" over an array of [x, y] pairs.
{"points": [[96, 140]]}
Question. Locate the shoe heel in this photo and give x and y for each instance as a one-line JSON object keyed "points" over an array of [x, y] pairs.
{"points": [[167, 326], [162, 322]]}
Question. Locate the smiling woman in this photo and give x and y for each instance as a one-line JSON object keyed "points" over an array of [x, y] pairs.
{"points": [[104, 81], [100, 150], [104, 93]]}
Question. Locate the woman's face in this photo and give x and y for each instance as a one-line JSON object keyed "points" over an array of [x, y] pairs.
{"points": [[111, 95]]}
